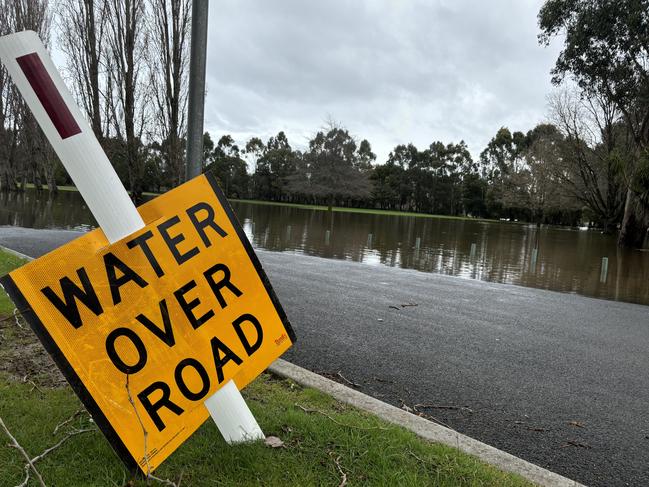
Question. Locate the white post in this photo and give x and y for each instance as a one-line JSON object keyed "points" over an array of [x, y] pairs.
{"points": [[603, 273], [40, 84]]}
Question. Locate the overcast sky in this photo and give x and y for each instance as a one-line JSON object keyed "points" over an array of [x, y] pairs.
{"points": [[391, 71]]}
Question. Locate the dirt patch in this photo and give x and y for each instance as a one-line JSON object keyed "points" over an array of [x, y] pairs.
{"points": [[22, 356]]}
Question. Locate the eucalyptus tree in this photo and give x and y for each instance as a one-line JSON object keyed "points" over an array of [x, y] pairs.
{"points": [[606, 52], [230, 169], [332, 169]]}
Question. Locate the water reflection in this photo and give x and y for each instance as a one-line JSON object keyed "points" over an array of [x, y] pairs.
{"points": [[42, 209], [558, 259]]}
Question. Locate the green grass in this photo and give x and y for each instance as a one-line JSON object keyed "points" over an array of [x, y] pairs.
{"points": [[369, 451], [8, 262], [320, 444]]}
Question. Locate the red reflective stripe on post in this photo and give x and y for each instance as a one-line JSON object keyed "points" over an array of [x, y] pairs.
{"points": [[49, 96]]}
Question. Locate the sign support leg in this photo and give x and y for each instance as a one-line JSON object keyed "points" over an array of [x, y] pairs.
{"points": [[232, 415]]}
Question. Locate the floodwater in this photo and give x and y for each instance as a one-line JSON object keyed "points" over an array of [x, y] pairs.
{"points": [[560, 259]]}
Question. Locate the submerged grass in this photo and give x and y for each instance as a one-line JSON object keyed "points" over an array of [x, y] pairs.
{"points": [[369, 211], [337, 209], [325, 442]]}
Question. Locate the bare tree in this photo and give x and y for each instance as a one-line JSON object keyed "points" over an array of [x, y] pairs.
{"points": [[82, 30], [7, 119], [38, 158], [594, 151], [169, 26], [127, 44]]}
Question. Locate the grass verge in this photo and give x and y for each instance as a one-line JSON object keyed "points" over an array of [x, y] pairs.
{"points": [[323, 442]]}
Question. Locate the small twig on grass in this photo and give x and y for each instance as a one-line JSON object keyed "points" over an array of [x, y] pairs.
{"points": [[353, 384], [343, 475], [14, 317], [16, 445], [165, 481], [63, 440], [50, 450], [16, 312], [34, 386], [68, 421], [307, 410]]}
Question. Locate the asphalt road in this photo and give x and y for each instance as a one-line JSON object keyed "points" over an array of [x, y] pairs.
{"points": [[559, 380]]}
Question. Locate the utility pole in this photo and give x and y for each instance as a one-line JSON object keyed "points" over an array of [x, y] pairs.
{"points": [[196, 101], [227, 406]]}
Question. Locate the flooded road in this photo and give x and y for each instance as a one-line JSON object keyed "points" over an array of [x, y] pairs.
{"points": [[561, 259]]}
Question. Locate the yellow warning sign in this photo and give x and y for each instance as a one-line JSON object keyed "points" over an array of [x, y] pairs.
{"points": [[148, 328]]}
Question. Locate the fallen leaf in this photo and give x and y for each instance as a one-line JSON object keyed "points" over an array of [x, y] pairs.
{"points": [[274, 442]]}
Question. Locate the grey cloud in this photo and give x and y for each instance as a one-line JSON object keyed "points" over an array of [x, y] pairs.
{"points": [[392, 71]]}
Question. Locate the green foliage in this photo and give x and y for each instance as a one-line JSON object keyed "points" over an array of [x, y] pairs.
{"points": [[229, 168], [334, 167], [604, 46], [605, 50], [275, 166]]}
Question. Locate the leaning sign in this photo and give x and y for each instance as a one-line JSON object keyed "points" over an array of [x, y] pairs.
{"points": [[147, 328]]}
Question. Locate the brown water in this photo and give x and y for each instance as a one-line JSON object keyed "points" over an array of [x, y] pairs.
{"points": [[567, 260]]}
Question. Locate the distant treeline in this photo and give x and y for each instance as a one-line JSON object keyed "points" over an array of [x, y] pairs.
{"points": [[546, 175], [126, 63]]}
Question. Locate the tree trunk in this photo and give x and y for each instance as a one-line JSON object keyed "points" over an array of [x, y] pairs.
{"points": [[633, 230]]}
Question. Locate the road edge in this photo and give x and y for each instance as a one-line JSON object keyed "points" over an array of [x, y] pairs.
{"points": [[422, 427]]}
